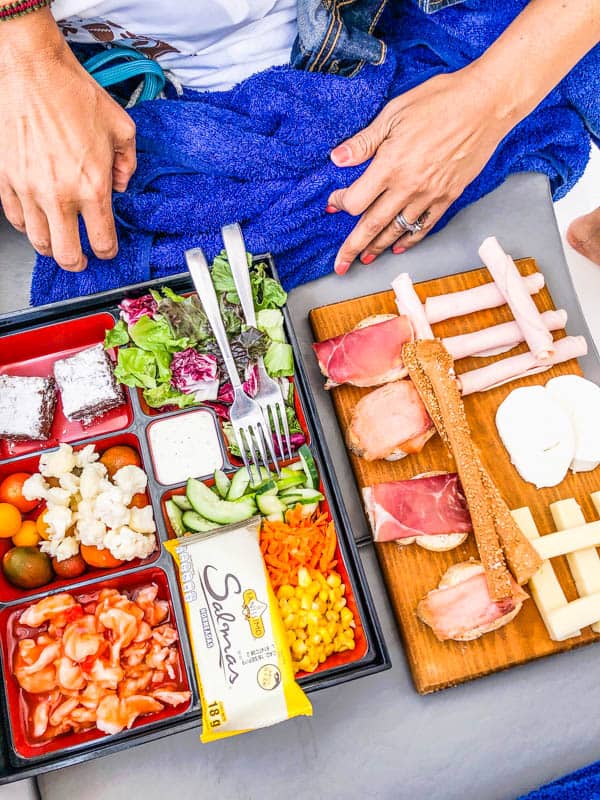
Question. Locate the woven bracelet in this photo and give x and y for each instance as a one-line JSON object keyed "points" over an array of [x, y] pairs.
{"points": [[20, 7]]}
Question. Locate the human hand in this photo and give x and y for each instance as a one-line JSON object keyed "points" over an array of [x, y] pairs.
{"points": [[426, 146], [66, 144]]}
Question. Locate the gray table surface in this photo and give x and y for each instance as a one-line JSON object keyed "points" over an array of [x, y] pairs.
{"points": [[377, 738]]}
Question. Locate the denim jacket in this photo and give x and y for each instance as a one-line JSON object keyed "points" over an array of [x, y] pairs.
{"points": [[338, 35]]}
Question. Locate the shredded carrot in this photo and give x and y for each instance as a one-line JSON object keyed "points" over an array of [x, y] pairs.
{"points": [[298, 542]]}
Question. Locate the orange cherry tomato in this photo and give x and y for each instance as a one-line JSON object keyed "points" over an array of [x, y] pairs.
{"points": [[27, 535], [42, 527], [10, 520], [139, 500], [11, 491], [119, 456], [102, 559]]}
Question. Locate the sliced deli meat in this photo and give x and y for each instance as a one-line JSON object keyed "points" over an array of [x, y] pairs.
{"points": [[366, 356], [425, 506], [462, 609], [537, 434], [408, 303], [389, 422], [509, 281], [580, 399]]}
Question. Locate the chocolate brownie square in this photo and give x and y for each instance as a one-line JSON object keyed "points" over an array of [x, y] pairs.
{"points": [[87, 384], [27, 407]]}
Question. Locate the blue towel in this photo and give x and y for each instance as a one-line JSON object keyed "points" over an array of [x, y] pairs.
{"points": [[581, 785], [259, 154]]}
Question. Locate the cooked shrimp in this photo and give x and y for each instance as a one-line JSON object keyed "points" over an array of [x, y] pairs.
{"points": [[62, 711], [84, 717], [47, 609], [134, 654], [124, 628], [131, 686], [41, 714], [48, 654], [109, 716], [69, 675], [165, 635], [105, 674], [157, 656], [155, 611], [38, 682], [82, 639], [144, 632], [171, 698], [133, 707]]}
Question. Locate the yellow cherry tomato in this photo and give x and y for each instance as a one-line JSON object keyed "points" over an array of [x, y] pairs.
{"points": [[41, 526], [10, 520], [27, 535]]}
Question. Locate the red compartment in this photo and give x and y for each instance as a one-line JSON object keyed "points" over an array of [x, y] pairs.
{"points": [[16, 697], [9, 592], [33, 353], [336, 659]]}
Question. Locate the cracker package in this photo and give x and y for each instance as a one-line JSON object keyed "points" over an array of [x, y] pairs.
{"points": [[241, 654]]}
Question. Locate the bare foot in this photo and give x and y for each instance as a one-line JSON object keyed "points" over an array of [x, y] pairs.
{"points": [[584, 235]]}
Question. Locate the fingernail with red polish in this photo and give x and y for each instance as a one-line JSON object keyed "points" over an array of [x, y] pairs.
{"points": [[331, 209], [397, 250], [342, 267], [369, 258], [341, 155]]}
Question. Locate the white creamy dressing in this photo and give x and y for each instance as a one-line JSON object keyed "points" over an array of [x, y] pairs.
{"points": [[185, 446]]}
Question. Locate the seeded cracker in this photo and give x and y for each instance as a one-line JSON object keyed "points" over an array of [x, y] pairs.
{"points": [[431, 368]]}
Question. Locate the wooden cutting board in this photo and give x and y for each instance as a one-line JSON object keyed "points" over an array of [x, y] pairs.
{"points": [[410, 571]]}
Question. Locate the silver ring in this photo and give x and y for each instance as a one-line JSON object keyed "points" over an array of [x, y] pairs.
{"points": [[409, 226]]}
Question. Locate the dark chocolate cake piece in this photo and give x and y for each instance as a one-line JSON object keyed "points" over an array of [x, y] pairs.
{"points": [[87, 384], [26, 407]]}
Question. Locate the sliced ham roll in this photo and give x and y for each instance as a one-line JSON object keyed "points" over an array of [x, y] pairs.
{"points": [[369, 355], [389, 422], [427, 506], [461, 607]]}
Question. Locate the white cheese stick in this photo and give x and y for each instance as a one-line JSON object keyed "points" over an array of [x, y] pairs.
{"points": [[569, 540], [545, 589], [409, 304], [595, 498], [445, 306], [510, 282], [583, 563], [576, 614]]}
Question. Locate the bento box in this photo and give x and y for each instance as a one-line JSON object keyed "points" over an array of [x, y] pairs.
{"points": [[31, 341]]}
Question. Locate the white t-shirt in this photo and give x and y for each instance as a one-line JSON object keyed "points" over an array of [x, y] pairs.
{"points": [[207, 44]]}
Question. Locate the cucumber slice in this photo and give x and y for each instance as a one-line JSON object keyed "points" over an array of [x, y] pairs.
{"points": [[267, 488], [292, 496], [175, 515], [182, 502], [195, 522], [285, 484], [309, 467], [240, 483], [271, 507], [222, 483], [212, 508], [295, 467], [308, 509]]}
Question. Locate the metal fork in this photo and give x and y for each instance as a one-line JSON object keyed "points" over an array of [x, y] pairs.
{"points": [[251, 433], [269, 396]]}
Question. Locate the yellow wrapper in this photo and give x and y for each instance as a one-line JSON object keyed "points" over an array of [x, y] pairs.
{"points": [[241, 655]]}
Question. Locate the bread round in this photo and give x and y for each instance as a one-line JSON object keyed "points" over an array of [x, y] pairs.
{"points": [[460, 572]]}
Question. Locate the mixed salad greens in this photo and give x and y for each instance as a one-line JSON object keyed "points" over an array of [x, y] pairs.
{"points": [[167, 348]]}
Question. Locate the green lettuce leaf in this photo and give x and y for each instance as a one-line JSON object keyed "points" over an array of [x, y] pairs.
{"points": [[270, 321], [117, 336], [279, 360], [166, 395], [136, 367], [185, 316], [156, 334]]}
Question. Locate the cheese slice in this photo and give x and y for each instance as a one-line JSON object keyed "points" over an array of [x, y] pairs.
{"points": [[584, 563], [545, 589], [578, 613], [580, 399], [569, 540]]}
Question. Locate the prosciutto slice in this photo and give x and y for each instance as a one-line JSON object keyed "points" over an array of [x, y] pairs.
{"points": [[428, 506], [390, 421], [367, 356], [465, 610]]}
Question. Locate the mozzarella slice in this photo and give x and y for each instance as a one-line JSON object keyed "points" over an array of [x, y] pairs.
{"points": [[538, 435], [580, 399]]}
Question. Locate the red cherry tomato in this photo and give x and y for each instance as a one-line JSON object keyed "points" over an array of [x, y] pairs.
{"points": [[11, 491]]}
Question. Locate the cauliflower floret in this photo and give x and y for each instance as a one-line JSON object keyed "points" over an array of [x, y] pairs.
{"points": [[131, 480], [35, 487], [58, 497], [87, 455], [111, 507], [69, 482], [85, 510], [61, 549], [142, 520], [126, 544], [92, 480], [58, 519], [91, 531], [60, 462]]}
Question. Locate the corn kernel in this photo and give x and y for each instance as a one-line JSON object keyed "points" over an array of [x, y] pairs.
{"points": [[304, 578], [285, 592], [334, 579]]}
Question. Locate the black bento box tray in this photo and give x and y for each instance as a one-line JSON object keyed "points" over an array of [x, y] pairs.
{"points": [[12, 766]]}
